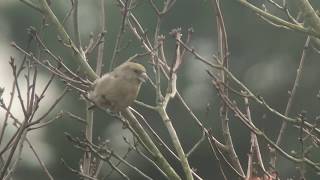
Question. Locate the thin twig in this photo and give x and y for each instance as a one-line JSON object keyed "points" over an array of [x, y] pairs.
{"points": [[101, 45], [277, 20], [256, 98], [17, 157], [293, 91], [68, 13], [54, 104], [43, 166], [292, 94], [78, 55], [197, 144], [224, 111], [116, 49], [244, 120], [82, 175], [254, 147]]}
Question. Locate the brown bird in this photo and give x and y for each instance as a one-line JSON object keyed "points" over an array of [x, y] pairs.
{"points": [[118, 89]]}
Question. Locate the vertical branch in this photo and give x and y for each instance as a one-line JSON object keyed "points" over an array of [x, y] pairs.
{"points": [[87, 157], [302, 168], [156, 68], [18, 139], [125, 11], [86, 163], [101, 45], [254, 146], [176, 143], [22, 128], [223, 55], [162, 105], [76, 24], [291, 98], [33, 99], [12, 93], [17, 157], [99, 66], [27, 77], [252, 143], [163, 102], [5, 121]]}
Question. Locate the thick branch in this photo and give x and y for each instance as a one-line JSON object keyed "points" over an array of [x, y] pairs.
{"points": [[79, 57]]}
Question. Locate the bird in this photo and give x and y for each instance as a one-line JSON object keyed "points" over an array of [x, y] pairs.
{"points": [[119, 88]]}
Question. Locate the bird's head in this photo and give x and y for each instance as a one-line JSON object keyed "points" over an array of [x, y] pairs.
{"points": [[132, 71]]}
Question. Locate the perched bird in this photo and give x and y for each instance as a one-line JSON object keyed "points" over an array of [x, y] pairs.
{"points": [[118, 89]]}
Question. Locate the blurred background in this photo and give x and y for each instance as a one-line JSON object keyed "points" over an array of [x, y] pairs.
{"points": [[263, 57]]}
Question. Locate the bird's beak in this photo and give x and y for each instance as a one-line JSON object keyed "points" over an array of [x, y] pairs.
{"points": [[143, 77]]}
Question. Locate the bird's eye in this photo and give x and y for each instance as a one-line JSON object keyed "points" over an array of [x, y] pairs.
{"points": [[136, 71]]}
